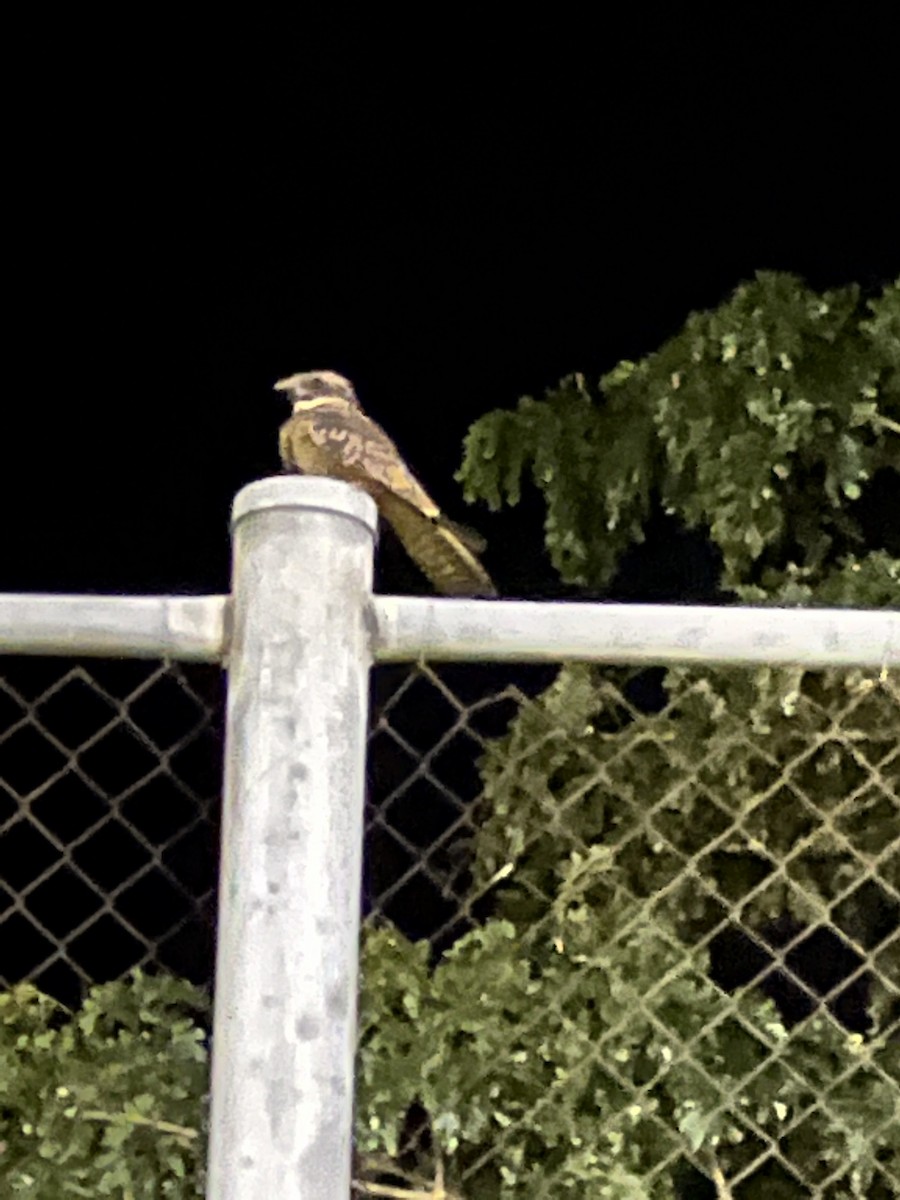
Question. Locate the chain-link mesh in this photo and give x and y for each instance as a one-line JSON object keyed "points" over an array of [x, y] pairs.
{"points": [[629, 933], [661, 911], [109, 785]]}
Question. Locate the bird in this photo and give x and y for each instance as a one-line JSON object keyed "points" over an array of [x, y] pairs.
{"points": [[329, 434]]}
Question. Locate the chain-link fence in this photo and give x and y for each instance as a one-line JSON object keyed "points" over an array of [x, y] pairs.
{"points": [[662, 914], [630, 933], [110, 778]]}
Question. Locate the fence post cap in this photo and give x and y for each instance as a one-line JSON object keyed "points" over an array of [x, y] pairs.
{"points": [[307, 492]]}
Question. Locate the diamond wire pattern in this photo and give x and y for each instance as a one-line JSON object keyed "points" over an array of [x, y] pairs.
{"points": [[829, 903], [109, 785]]}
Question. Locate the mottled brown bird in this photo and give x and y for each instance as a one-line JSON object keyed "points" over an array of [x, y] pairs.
{"points": [[329, 434]]}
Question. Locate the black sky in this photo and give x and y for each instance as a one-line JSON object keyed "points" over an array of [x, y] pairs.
{"points": [[184, 233]]}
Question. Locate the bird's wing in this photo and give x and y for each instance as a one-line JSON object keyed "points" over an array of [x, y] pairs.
{"points": [[340, 440], [436, 549], [357, 448]]}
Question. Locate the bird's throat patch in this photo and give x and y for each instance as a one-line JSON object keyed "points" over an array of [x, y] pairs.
{"points": [[317, 402]]}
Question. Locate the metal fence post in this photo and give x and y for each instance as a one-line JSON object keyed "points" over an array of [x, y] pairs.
{"points": [[289, 893]]}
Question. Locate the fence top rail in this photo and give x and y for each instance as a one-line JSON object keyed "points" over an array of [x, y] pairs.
{"points": [[191, 628], [407, 628]]}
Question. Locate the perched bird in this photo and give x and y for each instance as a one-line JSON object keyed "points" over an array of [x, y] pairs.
{"points": [[329, 434]]}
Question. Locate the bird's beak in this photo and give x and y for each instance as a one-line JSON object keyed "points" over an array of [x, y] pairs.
{"points": [[284, 385]]}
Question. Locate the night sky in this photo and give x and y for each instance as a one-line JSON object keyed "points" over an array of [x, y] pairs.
{"points": [[186, 233]]}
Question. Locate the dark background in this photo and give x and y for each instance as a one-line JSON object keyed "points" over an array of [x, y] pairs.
{"points": [[451, 227]]}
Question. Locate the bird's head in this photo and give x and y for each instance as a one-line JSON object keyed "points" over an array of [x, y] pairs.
{"points": [[311, 386]]}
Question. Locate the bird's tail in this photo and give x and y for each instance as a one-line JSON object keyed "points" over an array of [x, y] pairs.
{"points": [[438, 549], [470, 538]]}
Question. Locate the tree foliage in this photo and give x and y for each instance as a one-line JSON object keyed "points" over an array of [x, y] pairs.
{"points": [[761, 422], [105, 1101], [560, 1061], [580, 1041]]}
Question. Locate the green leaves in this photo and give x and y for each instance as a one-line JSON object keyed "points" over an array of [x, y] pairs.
{"points": [[587, 1064], [762, 422], [587, 482], [576, 1043], [107, 1101]]}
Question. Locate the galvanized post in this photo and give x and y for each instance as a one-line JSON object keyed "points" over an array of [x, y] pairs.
{"points": [[289, 894]]}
